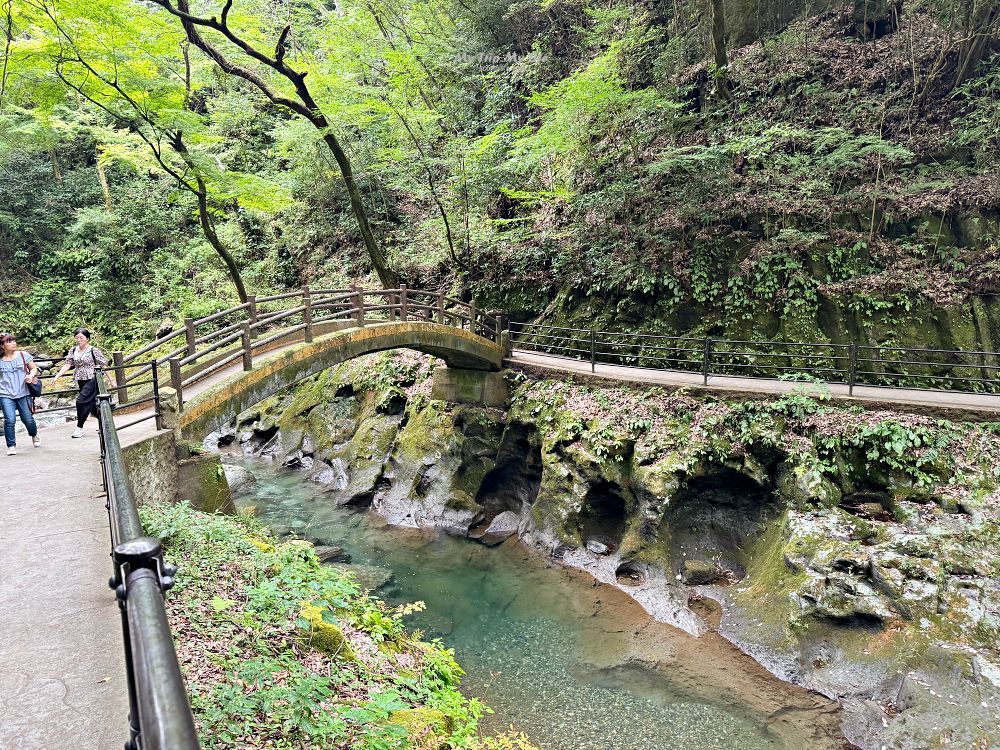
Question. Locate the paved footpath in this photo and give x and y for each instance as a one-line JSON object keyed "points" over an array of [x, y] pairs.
{"points": [[950, 401], [62, 668], [62, 664]]}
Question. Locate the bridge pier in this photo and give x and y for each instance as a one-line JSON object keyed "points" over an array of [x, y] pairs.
{"points": [[470, 387]]}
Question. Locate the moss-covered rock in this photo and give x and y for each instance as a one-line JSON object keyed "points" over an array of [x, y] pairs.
{"points": [[324, 635], [840, 542], [422, 725]]}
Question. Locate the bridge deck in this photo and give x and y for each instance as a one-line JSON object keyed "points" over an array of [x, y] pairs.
{"points": [[889, 397]]}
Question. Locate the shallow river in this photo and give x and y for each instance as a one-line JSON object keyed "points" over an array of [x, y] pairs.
{"points": [[573, 664]]}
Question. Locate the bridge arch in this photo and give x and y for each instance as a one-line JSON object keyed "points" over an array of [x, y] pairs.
{"points": [[221, 402]]}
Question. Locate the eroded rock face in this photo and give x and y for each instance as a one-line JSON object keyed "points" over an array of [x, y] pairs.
{"points": [[855, 581]]}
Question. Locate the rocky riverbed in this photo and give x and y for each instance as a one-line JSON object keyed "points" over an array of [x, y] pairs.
{"points": [[852, 552]]}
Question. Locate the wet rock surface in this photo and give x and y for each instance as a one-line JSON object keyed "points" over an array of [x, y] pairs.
{"points": [[855, 581], [239, 478], [502, 528]]}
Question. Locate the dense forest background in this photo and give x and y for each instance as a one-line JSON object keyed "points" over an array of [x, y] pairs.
{"points": [[792, 169]]}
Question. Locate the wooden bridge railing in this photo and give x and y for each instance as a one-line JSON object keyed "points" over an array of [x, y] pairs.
{"points": [[849, 364], [206, 345]]}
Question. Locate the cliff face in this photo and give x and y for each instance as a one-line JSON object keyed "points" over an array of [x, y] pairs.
{"points": [[844, 190], [851, 552]]}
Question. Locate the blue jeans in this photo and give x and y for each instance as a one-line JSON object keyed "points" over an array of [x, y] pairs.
{"points": [[22, 407]]}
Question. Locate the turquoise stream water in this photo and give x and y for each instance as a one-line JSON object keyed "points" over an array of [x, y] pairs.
{"points": [[572, 664]]}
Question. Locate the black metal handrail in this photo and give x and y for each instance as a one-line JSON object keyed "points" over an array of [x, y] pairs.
{"points": [[159, 713], [848, 364]]}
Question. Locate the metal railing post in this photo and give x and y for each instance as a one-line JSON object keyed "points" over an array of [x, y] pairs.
{"points": [[247, 350], [706, 361], [593, 350], [133, 703], [119, 361], [155, 370], [852, 368], [307, 314], [176, 382], [189, 334]]}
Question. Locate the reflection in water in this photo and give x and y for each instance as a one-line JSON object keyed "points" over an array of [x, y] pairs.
{"points": [[574, 665]]}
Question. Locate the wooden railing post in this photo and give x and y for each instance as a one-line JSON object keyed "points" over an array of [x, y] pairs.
{"points": [[359, 306], [247, 350], [307, 314], [176, 380], [440, 308], [189, 334], [119, 361], [472, 317], [252, 308], [402, 303]]}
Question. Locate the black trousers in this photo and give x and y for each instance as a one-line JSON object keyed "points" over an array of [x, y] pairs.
{"points": [[86, 401]]}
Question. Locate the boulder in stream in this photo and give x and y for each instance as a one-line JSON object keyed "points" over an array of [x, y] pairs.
{"points": [[597, 547], [239, 479], [503, 527], [328, 552], [369, 577]]}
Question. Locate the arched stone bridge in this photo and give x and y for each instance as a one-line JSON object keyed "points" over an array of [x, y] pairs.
{"points": [[311, 330], [471, 375]]}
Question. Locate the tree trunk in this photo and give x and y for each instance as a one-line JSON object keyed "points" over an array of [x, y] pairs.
{"points": [[102, 177], [719, 43], [305, 106], [386, 275], [208, 227], [980, 36], [204, 217], [56, 171]]}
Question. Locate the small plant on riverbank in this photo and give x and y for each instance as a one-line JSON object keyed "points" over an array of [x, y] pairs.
{"points": [[280, 652]]}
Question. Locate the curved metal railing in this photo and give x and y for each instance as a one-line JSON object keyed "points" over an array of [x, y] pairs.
{"points": [[848, 364], [159, 713]]}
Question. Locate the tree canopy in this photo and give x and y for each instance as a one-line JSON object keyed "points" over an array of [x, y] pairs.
{"points": [[581, 159]]}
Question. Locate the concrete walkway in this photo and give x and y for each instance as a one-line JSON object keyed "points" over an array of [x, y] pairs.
{"points": [[62, 664], [960, 404], [62, 671]]}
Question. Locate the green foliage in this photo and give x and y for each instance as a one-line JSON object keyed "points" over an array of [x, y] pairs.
{"points": [[978, 127], [917, 451], [259, 684], [514, 152]]}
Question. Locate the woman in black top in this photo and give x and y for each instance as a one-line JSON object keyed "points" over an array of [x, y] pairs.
{"points": [[84, 359]]}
